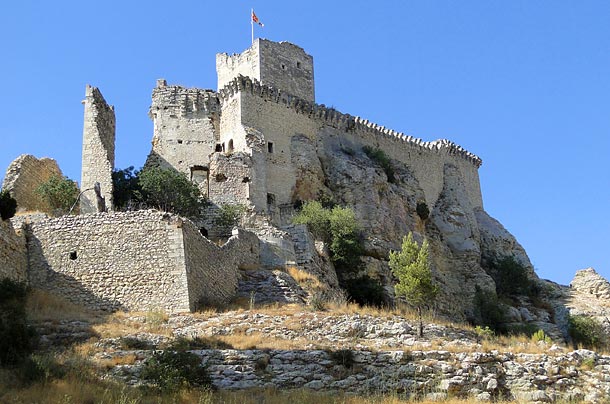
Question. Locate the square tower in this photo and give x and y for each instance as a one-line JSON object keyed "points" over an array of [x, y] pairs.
{"points": [[277, 64]]}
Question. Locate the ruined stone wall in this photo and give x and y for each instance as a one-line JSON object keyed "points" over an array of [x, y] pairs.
{"points": [[277, 64], [98, 149], [185, 129], [279, 116], [13, 259], [230, 178], [23, 177], [130, 260]]}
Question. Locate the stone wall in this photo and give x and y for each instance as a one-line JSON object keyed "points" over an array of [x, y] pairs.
{"points": [[13, 259], [24, 175], [280, 116], [185, 129], [134, 260], [98, 150], [277, 64], [435, 375]]}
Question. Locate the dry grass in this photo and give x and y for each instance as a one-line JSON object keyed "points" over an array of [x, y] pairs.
{"points": [[257, 340], [305, 280], [44, 306], [128, 359]]}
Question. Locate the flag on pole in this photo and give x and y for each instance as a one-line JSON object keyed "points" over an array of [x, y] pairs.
{"points": [[256, 20]]}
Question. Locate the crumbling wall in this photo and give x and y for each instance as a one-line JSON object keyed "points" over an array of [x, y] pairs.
{"points": [[230, 178], [98, 150], [130, 260], [13, 259], [212, 272], [23, 177], [135, 260], [185, 129]]}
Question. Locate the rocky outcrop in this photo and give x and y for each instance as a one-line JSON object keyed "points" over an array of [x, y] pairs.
{"points": [[587, 281]]}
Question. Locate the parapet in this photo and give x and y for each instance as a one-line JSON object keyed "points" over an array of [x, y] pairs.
{"points": [[339, 120], [182, 101]]}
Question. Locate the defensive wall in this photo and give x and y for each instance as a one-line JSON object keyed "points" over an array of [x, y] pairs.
{"points": [[98, 150], [13, 261], [135, 260], [23, 177], [278, 116]]}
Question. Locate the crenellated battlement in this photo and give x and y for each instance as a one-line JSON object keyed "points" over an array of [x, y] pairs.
{"points": [[337, 119], [182, 101]]}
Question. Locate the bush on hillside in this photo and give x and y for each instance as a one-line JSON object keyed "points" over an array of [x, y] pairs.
{"points": [[587, 331], [60, 193], [17, 339], [365, 291], [487, 310], [171, 371], [511, 277], [379, 156]]}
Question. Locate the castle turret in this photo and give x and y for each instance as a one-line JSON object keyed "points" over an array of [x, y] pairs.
{"points": [[277, 64]]}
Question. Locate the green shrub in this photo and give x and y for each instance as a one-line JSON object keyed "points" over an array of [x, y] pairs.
{"points": [[170, 191], [487, 310], [8, 205], [126, 191], [317, 219], [17, 340], [171, 371], [229, 215], [540, 336], [586, 331], [379, 156], [485, 332], [365, 291], [60, 193], [511, 277]]}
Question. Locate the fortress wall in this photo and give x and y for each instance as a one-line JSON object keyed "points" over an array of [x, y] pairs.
{"points": [[279, 116], [129, 260], [230, 178], [24, 175], [98, 149], [185, 127], [231, 127], [13, 258]]}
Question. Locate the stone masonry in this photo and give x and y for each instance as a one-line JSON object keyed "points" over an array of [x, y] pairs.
{"points": [[13, 261], [23, 177], [136, 261], [98, 150]]}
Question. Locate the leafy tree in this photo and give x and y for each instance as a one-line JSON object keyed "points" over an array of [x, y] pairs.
{"points": [[586, 331], [345, 246], [59, 193], [126, 192], [317, 219], [229, 215], [412, 268], [8, 205], [511, 277], [487, 310], [170, 191]]}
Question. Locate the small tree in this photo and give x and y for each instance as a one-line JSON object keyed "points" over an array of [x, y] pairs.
{"points": [[170, 191], [126, 190], [412, 268], [8, 205], [59, 193]]}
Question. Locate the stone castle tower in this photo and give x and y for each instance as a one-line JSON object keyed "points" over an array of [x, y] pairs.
{"points": [[98, 150]]}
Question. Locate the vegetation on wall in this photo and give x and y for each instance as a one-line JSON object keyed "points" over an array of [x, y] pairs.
{"points": [[8, 205], [587, 332], [412, 268], [164, 189], [379, 156], [60, 193], [229, 215]]}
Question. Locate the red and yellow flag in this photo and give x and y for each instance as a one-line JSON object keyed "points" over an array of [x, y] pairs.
{"points": [[256, 20]]}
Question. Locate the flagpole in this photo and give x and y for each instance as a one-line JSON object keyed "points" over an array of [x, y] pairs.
{"points": [[252, 23]]}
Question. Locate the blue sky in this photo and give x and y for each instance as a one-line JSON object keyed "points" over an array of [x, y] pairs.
{"points": [[523, 84]]}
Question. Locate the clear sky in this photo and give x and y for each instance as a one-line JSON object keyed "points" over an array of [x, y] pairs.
{"points": [[523, 84]]}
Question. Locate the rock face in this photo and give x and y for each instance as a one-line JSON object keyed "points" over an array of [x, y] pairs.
{"points": [[463, 238], [587, 281]]}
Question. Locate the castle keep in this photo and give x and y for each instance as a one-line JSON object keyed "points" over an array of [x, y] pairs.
{"points": [[260, 141], [239, 142]]}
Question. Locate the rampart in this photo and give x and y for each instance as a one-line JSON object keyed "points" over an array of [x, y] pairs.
{"points": [[23, 177], [135, 260], [13, 261], [279, 116], [98, 150]]}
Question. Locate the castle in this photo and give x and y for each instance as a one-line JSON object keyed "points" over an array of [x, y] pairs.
{"points": [[242, 144]]}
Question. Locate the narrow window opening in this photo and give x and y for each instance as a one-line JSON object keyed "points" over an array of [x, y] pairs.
{"points": [[270, 199], [230, 148], [270, 147], [246, 179], [218, 147], [298, 65], [179, 141], [283, 67], [220, 177], [73, 255], [203, 231], [223, 147]]}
